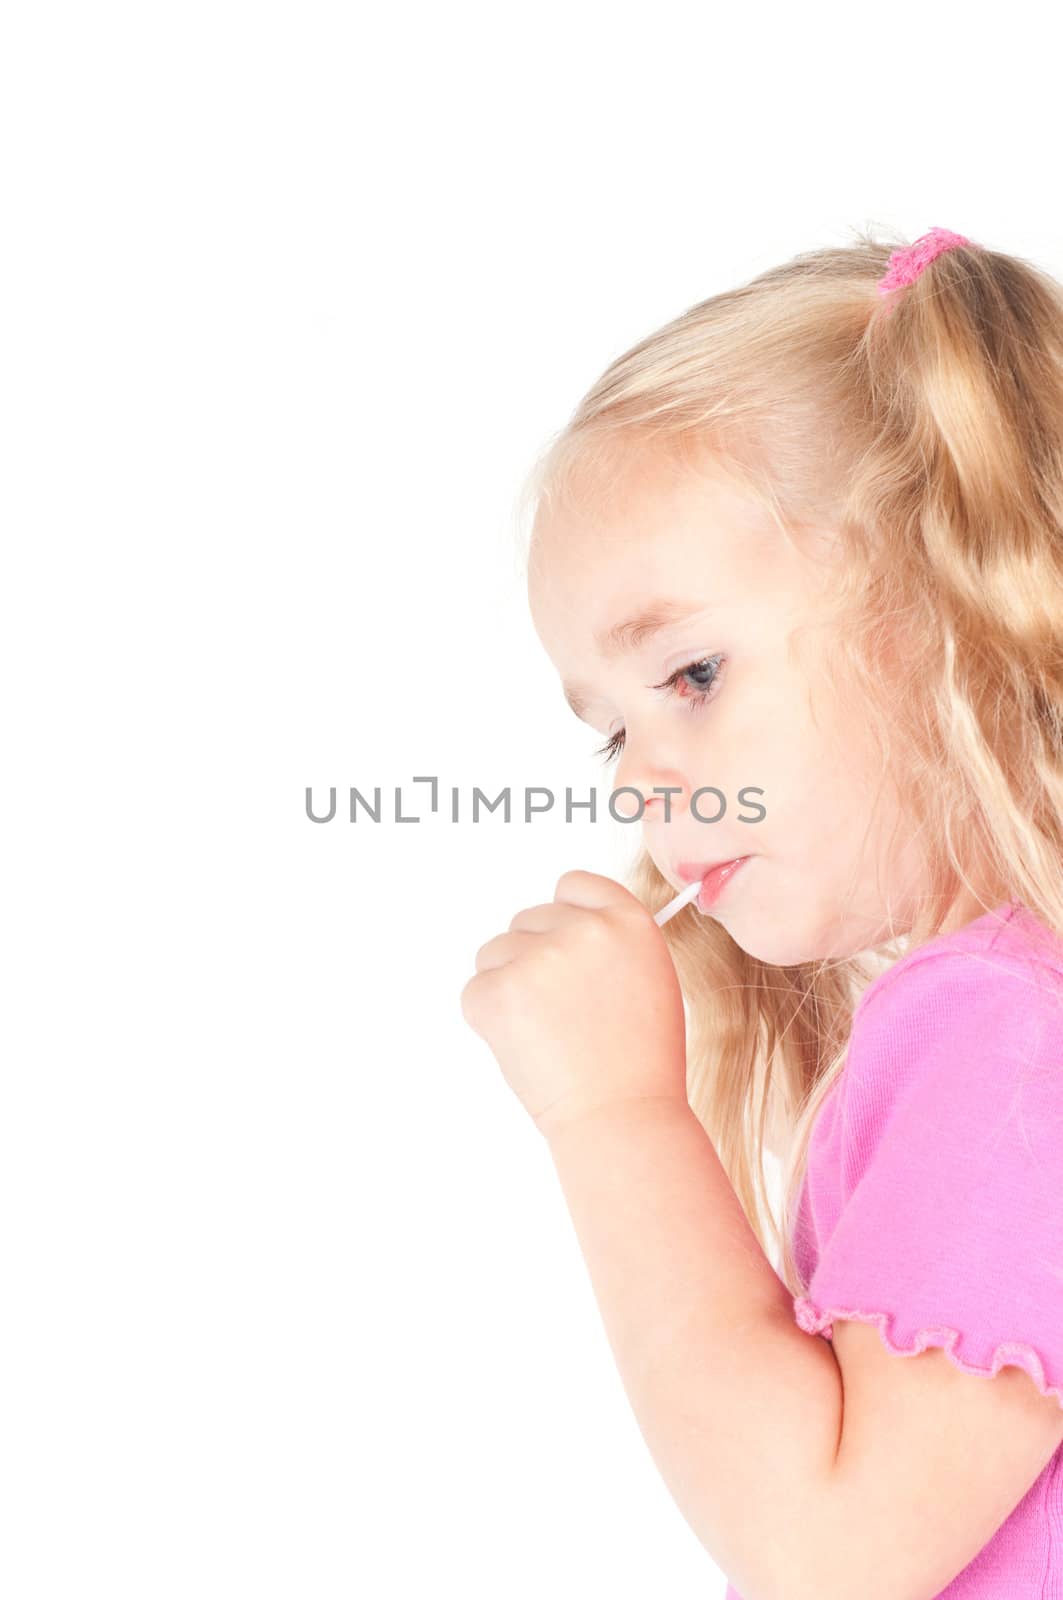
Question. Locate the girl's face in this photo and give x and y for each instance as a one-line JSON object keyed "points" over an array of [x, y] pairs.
{"points": [[718, 696]]}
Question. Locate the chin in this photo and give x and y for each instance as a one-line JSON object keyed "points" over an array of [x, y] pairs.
{"points": [[780, 951], [788, 947], [772, 939]]}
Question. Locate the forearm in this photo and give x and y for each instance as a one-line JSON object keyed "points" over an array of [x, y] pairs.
{"points": [[740, 1408]]}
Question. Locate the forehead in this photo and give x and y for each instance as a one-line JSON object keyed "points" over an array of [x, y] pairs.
{"points": [[646, 524]]}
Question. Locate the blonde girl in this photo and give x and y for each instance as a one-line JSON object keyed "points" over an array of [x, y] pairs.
{"points": [[797, 558]]}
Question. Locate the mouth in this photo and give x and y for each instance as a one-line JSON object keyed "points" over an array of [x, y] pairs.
{"points": [[715, 876]]}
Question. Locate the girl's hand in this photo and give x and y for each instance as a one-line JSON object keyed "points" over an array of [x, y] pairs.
{"points": [[580, 1004]]}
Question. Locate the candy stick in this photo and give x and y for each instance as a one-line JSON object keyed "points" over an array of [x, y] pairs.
{"points": [[690, 893]]}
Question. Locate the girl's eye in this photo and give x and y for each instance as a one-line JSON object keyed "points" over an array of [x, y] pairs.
{"points": [[705, 674]]}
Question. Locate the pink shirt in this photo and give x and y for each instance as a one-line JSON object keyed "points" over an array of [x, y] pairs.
{"points": [[933, 1199]]}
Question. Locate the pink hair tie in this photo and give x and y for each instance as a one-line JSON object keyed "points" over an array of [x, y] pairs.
{"points": [[906, 265]]}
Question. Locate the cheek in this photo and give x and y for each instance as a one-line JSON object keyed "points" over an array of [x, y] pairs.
{"points": [[806, 788]]}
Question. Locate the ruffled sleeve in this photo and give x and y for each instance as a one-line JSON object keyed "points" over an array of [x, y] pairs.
{"points": [[949, 1153]]}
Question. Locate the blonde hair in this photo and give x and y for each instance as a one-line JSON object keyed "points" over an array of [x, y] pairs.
{"points": [[926, 428]]}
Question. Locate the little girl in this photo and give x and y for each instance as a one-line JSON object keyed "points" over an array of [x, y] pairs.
{"points": [[798, 558]]}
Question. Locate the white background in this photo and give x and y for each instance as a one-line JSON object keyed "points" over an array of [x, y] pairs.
{"points": [[290, 1303]]}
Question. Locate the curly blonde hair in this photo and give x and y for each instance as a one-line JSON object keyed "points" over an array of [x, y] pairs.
{"points": [[927, 429]]}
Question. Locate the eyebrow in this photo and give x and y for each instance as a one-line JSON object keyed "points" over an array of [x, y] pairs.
{"points": [[629, 636]]}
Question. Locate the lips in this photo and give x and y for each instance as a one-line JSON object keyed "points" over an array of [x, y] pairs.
{"points": [[689, 870], [714, 877]]}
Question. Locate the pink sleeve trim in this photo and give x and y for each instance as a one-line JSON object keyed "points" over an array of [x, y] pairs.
{"points": [[813, 1320]]}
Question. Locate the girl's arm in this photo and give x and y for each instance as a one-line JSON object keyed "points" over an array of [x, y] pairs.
{"points": [[741, 1409]]}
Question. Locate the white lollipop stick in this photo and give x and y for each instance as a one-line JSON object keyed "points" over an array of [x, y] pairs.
{"points": [[690, 893]]}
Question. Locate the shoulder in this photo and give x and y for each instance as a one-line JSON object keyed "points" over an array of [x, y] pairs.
{"points": [[999, 976], [956, 1056]]}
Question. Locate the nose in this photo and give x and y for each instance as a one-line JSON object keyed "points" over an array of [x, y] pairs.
{"points": [[639, 779]]}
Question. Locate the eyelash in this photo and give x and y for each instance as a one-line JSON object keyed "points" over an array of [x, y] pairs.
{"points": [[697, 698]]}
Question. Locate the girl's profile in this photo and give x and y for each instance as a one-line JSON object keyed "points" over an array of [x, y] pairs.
{"points": [[805, 543]]}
